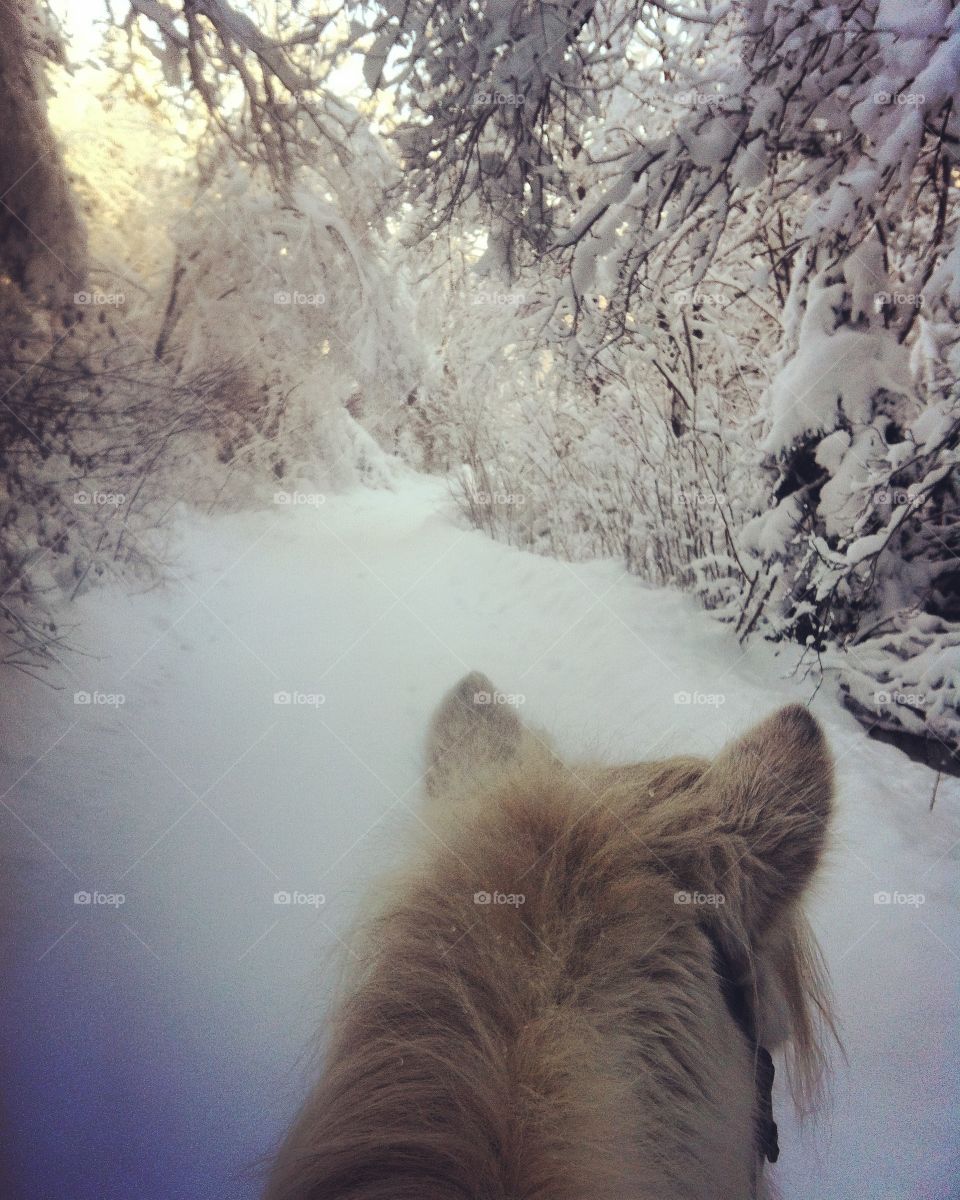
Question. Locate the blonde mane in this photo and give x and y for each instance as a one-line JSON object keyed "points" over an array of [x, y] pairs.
{"points": [[565, 1039]]}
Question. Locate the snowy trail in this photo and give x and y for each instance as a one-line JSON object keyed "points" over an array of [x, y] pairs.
{"points": [[160, 1044]]}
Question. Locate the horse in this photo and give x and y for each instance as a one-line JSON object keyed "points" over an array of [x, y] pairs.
{"points": [[574, 989]]}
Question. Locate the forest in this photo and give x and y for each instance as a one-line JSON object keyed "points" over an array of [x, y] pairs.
{"points": [[602, 356], [676, 285]]}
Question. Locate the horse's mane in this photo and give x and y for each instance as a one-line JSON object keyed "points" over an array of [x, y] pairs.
{"points": [[487, 1051], [673, 819]]}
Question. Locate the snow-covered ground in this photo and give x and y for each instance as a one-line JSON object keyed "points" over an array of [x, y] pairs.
{"points": [[159, 1044]]}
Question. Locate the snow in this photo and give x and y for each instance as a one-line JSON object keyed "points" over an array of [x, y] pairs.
{"points": [[712, 142], [772, 530], [832, 450], [909, 676], [833, 377], [162, 1042]]}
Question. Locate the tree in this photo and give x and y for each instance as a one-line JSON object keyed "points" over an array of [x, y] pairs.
{"points": [[115, 369], [805, 150]]}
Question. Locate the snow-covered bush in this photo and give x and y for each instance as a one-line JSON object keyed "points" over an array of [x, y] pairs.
{"points": [[88, 418], [859, 551], [303, 306], [857, 554], [166, 339], [806, 174], [538, 465]]}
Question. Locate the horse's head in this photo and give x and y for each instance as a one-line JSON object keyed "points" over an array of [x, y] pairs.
{"points": [[732, 843], [577, 989]]}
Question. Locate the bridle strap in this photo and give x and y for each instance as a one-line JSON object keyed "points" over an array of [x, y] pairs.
{"points": [[738, 1005], [767, 1142]]}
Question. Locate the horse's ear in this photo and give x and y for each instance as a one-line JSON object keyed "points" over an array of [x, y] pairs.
{"points": [[772, 789], [471, 734]]}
